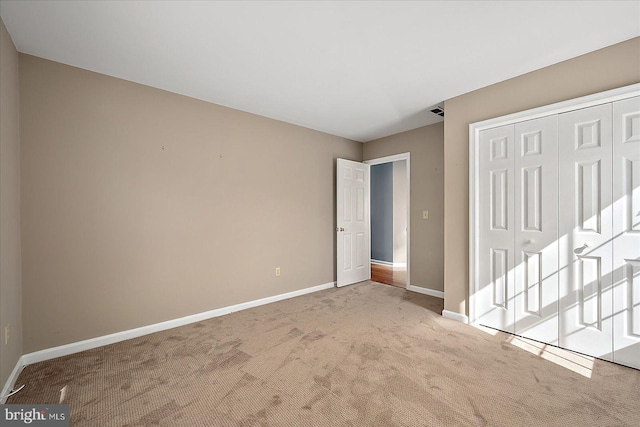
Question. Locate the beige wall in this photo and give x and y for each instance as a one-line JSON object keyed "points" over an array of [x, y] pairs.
{"points": [[609, 68], [427, 185], [141, 206], [10, 263]]}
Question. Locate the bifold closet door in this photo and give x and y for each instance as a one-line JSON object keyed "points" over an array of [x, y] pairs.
{"points": [[585, 229], [536, 229], [626, 231], [495, 295]]}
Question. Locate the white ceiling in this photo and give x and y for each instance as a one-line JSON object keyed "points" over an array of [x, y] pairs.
{"points": [[361, 70]]}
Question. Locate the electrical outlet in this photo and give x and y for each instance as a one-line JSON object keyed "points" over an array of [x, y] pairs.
{"points": [[425, 214], [277, 271], [6, 335]]}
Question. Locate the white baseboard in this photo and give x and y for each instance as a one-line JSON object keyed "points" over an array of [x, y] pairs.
{"points": [[455, 316], [64, 350], [426, 291], [379, 262], [388, 263], [11, 381]]}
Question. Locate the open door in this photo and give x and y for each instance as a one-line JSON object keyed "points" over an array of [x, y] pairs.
{"points": [[352, 223]]}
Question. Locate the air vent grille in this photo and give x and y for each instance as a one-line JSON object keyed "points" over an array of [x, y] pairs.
{"points": [[438, 110]]}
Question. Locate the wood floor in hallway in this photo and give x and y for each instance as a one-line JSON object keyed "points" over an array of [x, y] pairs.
{"points": [[388, 275]]}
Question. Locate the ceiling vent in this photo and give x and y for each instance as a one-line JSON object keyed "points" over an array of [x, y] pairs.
{"points": [[438, 110]]}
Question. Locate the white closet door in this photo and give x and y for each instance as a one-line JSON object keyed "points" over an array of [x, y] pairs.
{"points": [[585, 178], [626, 231], [536, 229], [496, 250]]}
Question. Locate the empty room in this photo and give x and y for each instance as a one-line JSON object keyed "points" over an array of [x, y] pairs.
{"points": [[319, 213]]}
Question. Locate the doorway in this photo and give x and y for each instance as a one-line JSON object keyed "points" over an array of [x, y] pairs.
{"points": [[389, 198]]}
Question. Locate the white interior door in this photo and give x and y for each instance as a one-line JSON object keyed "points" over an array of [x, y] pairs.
{"points": [[626, 231], [585, 228], [495, 294], [352, 223], [536, 229]]}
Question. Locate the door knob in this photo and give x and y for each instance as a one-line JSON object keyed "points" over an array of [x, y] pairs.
{"points": [[581, 249], [528, 242]]}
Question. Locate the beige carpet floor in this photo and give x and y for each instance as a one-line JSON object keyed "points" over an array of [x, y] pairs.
{"points": [[364, 355]]}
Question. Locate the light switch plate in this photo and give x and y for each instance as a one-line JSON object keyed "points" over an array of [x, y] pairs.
{"points": [[425, 214]]}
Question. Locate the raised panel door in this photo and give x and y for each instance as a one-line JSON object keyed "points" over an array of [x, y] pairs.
{"points": [[536, 229], [352, 222], [495, 292], [626, 231], [585, 231]]}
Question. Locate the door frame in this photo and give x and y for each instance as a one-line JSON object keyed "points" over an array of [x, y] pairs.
{"points": [[474, 163], [390, 159]]}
